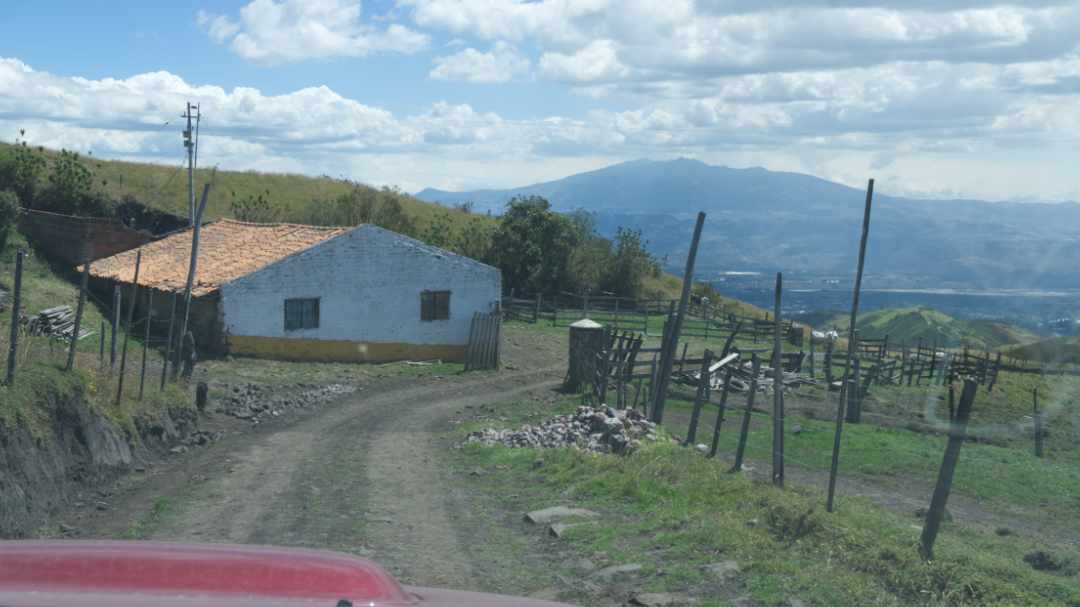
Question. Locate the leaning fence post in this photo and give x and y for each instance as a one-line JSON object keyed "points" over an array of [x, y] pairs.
{"points": [[699, 398], [851, 348], [16, 303], [957, 434], [755, 365], [78, 317], [720, 413], [127, 327]]}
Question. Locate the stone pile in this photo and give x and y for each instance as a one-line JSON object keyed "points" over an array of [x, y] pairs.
{"points": [[599, 429], [251, 401]]}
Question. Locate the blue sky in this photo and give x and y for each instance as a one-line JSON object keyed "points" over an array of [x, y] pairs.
{"points": [[944, 98]]}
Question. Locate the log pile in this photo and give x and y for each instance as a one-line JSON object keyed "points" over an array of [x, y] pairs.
{"points": [[55, 322]]}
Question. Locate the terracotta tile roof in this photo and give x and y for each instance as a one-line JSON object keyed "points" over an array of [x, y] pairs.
{"points": [[228, 249]]}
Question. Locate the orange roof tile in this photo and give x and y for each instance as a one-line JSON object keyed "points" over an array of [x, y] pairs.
{"points": [[228, 249]]}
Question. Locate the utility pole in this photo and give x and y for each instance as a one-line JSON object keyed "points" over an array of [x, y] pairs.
{"points": [[191, 143]]}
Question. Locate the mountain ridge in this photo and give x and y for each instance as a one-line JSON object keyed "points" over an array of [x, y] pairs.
{"points": [[766, 220]]}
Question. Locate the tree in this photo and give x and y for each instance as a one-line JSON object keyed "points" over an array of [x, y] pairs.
{"points": [[532, 246], [630, 264], [439, 232], [9, 215], [22, 169], [363, 204], [475, 239], [71, 189], [592, 254], [255, 208]]}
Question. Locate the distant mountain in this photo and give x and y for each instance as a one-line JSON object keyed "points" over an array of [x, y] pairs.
{"points": [[765, 220]]}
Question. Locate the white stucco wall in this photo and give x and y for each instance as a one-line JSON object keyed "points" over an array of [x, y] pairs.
{"points": [[369, 282]]}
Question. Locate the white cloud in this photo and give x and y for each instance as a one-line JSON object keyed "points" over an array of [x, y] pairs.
{"points": [[286, 31], [596, 62], [889, 118], [502, 63]]}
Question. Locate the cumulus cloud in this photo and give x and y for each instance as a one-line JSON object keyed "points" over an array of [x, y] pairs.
{"points": [[598, 61], [287, 31], [502, 63]]}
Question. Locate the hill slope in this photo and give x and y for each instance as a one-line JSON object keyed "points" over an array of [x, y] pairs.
{"points": [[164, 188], [910, 325], [766, 220]]}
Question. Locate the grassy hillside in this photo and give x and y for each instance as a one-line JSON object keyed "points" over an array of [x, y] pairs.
{"points": [[164, 187], [1056, 350], [909, 325]]}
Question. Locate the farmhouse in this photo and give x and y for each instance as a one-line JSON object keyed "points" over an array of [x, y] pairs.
{"points": [[313, 293]]}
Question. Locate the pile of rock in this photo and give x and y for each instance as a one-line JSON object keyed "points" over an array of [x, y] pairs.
{"points": [[600, 429], [251, 401]]}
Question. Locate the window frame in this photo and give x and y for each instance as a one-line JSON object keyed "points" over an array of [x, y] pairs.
{"points": [[305, 313], [434, 305]]}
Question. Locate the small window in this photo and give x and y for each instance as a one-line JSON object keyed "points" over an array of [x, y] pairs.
{"points": [[301, 314], [435, 305]]}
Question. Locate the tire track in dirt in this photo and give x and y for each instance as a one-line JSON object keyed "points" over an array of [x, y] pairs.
{"points": [[368, 476]]}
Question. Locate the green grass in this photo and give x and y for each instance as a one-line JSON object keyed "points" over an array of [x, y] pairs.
{"points": [[672, 510], [1054, 351], [40, 379], [164, 187], [141, 528]]}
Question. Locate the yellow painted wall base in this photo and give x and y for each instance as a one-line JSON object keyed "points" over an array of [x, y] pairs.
{"points": [[340, 351]]}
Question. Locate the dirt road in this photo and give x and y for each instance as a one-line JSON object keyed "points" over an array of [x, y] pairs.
{"points": [[368, 475]]}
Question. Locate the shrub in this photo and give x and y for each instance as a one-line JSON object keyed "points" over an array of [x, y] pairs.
{"points": [[9, 214]]}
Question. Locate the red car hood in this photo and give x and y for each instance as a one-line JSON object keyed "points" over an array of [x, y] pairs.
{"points": [[129, 574]]}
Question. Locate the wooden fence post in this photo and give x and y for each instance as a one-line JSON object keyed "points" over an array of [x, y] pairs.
{"points": [[168, 343], [957, 434], [101, 345], [1037, 418], [720, 412], [829, 344], [16, 304], [146, 339], [127, 328], [745, 430], [699, 398], [811, 356], [778, 389], [684, 300], [115, 325], [78, 317], [833, 469], [854, 411]]}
